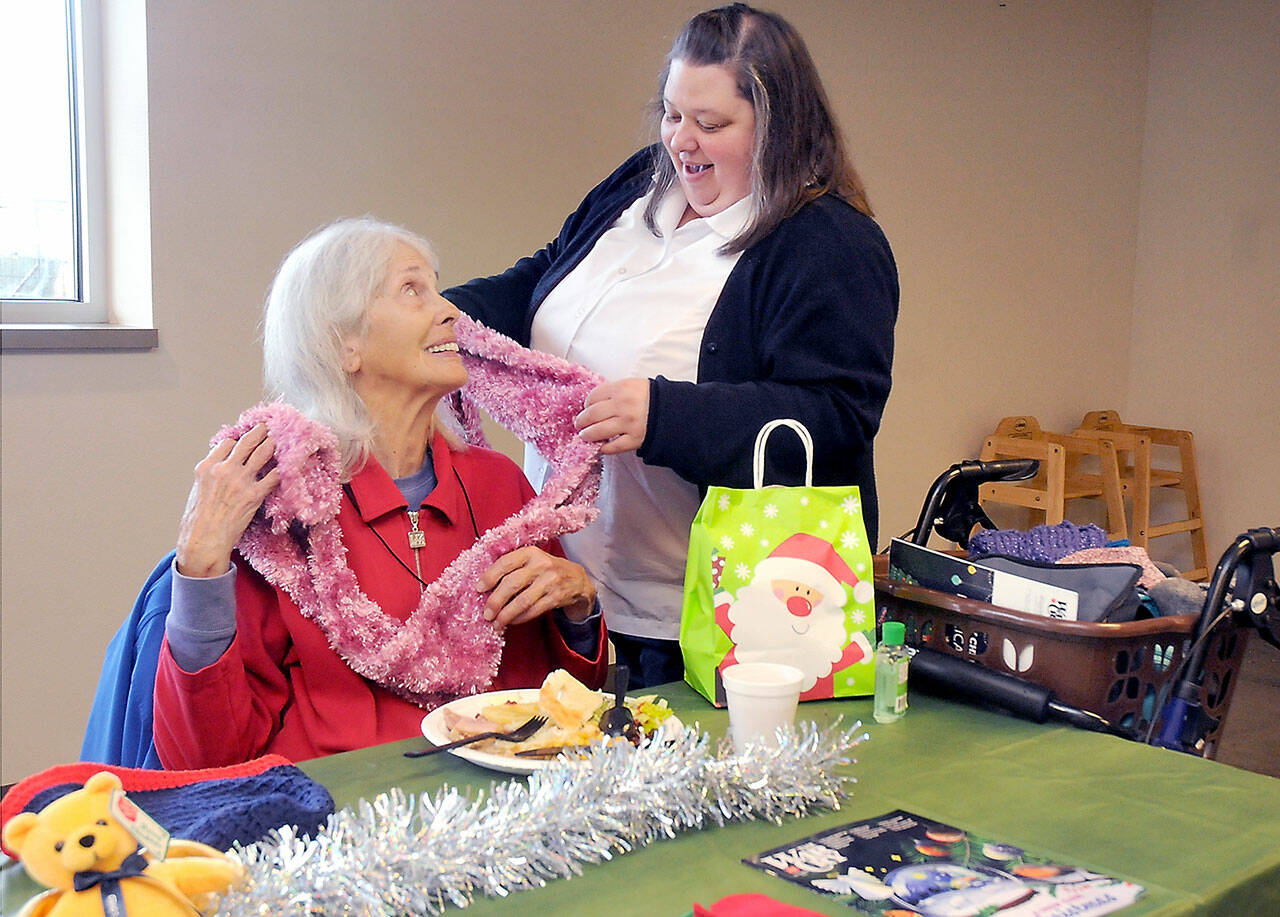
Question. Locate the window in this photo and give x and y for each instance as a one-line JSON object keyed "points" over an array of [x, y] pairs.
{"points": [[42, 239], [74, 214]]}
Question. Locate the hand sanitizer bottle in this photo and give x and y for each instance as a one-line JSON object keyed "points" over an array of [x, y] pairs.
{"points": [[891, 673]]}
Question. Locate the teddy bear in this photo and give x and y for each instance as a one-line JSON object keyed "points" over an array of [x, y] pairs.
{"points": [[93, 865]]}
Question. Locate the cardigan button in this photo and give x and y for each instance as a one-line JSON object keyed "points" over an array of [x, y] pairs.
{"points": [[712, 347]]}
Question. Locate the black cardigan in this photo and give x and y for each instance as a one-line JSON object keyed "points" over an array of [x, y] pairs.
{"points": [[803, 328]]}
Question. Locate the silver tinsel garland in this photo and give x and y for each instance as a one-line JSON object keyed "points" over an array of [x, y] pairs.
{"points": [[395, 855]]}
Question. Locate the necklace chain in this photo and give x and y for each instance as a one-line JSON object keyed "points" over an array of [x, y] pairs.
{"points": [[417, 537]]}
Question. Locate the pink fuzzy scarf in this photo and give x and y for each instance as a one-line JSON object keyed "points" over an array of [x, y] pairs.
{"points": [[446, 648]]}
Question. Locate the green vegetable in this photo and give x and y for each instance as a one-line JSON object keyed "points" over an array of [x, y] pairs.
{"points": [[649, 712]]}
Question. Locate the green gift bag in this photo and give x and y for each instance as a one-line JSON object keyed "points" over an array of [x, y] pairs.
{"points": [[780, 574]]}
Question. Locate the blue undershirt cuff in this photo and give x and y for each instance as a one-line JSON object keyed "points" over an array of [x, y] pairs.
{"points": [[202, 618], [580, 636]]}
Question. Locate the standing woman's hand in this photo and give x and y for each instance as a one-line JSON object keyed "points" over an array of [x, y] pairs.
{"points": [[226, 493], [616, 414]]}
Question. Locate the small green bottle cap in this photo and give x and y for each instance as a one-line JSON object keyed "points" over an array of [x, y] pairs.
{"points": [[893, 633]]}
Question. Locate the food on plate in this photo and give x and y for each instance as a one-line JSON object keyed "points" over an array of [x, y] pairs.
{"points": [[573, 717], [568, 702]]}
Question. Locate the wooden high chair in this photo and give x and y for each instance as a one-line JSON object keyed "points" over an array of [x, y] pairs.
{"points": [[1061, 476], [1139, 479]]}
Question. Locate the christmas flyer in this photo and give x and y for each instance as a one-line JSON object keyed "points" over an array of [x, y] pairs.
{"points": [[901, 864]]}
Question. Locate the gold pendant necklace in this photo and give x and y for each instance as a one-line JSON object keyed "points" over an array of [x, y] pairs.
{"points": [[417, 541]]}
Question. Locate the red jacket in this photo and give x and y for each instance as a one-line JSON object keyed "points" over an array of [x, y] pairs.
{"points": [[280, 688]]}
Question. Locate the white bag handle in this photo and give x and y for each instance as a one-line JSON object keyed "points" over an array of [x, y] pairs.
{"points": [[762, 438]]}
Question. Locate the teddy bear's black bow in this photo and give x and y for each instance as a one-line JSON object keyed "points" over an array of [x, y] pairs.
{"points": [[132, 867]]}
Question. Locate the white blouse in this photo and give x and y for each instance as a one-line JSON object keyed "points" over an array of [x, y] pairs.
{"points": [[637, 305]]}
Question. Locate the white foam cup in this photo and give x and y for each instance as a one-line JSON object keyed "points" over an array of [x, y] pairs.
{"points": [[762, 696]]}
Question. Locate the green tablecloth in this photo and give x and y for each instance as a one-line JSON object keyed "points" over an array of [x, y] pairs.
{"points": [[1203, 838]]}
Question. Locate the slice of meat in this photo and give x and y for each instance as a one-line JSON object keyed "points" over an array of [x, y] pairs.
{"points": [[466, 726]]}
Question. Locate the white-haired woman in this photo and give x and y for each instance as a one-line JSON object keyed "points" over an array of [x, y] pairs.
{"points": [[312, 631]]}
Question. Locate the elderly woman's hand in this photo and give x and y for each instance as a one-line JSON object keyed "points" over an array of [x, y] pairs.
{"points": [[617, 414], [529, 582], [226, 493]]}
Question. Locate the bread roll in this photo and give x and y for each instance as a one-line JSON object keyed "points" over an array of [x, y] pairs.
{"points": [[569, 702]]}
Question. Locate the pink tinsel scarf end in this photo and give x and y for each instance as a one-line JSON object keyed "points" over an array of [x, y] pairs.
{"points": [[309, 463]]}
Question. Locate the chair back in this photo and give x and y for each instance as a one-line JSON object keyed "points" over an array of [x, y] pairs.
{"points": [[1020, 426], [119, 730]]}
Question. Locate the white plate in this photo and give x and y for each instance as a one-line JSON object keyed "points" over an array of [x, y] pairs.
{"points": [[434, 729]]}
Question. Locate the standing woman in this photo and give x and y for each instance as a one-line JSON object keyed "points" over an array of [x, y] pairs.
{"points": [[727, 276]]}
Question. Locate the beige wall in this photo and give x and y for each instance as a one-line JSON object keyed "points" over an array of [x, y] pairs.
{"points": [[1004, 146], [1205, 351]]}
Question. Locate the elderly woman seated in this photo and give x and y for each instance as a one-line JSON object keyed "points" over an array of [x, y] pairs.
{"points": [[312, 638]]}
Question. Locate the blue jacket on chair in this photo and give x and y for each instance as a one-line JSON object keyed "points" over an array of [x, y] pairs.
{"points": [[119, 729]]}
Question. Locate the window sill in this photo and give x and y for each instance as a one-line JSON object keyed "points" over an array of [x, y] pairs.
{"points": [[77, 337]]}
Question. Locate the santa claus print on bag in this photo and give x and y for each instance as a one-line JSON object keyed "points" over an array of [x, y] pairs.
{"points": [[793, 612], [780, 574]]}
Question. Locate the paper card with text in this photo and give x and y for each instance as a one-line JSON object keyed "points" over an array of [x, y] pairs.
{"points": [[902, 863]]}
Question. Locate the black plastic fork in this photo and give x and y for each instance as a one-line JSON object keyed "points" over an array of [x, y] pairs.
{"points": [[519, 734], [618, 720]]}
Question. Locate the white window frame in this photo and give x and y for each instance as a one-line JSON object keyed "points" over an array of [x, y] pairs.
{"points": [[114, 248]]}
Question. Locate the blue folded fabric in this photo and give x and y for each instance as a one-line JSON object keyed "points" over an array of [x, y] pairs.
{"points": [[221, 811], [119, 730]]}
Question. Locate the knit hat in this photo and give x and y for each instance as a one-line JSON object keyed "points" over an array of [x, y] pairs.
{"points": [[813, 561], [218, 806]]}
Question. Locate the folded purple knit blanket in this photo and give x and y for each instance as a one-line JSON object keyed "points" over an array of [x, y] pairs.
{"points": [[1044, 543]]}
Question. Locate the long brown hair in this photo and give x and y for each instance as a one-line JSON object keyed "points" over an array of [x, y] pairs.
{"points": [[799, 153]]}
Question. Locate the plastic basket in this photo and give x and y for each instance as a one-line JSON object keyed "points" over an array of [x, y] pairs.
{"points": [[1118, 671]]}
